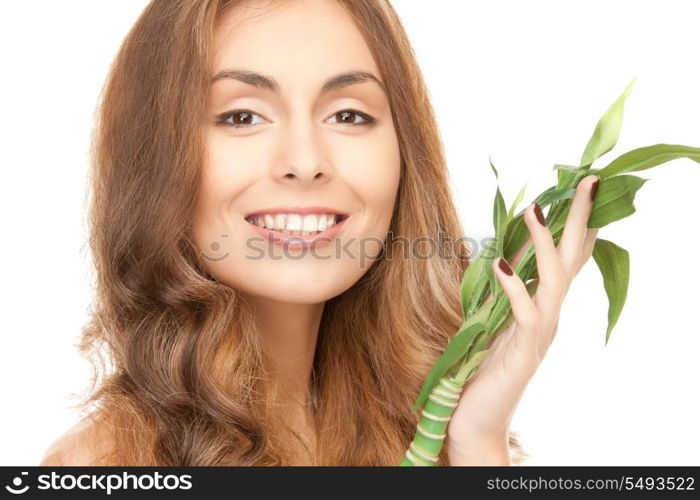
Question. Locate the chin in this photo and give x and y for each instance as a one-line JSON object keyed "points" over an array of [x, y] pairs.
{"points": [[284, 295]]}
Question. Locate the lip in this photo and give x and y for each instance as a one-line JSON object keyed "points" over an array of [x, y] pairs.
{"points": [[299, 241], [297, 210]]}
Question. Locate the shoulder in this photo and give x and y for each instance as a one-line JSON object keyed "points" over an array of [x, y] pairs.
{"points": [[82, 444]]}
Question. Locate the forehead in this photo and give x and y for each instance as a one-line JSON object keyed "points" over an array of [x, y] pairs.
{"points": [[299, 41]]}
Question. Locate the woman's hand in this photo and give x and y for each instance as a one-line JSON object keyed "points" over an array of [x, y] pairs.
{"points": [[478, 431]]}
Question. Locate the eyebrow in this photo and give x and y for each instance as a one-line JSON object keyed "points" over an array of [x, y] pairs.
{"points": [[264, 82]]}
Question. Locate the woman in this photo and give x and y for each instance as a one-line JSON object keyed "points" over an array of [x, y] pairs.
{"points": [[226, 127]]}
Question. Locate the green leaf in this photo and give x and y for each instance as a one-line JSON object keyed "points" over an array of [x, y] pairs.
{"points": [[648, 157], [614, 264], [614, 199], [567, 174], [453, 352], [499, 211], [473, 280], [517, 231], [480, 315], [469, 369], [607, 130], [476, 288], [494, 285], [515, 236], [552, 195], [498, 311], [515, 204], [483, 338], [506, 317]]}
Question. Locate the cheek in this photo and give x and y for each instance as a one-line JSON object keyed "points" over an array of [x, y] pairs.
{"points": [[373, 173], [226, 173], [222, 179], [228, 169]]}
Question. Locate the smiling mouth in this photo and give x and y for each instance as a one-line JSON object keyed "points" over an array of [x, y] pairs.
{"points": [[293, 224]]}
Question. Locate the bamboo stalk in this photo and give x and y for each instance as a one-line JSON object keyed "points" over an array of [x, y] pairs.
{"points": [[432, 428], [614, 201]]}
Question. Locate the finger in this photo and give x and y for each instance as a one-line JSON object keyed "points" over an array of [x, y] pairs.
{"points": [[554, 330], [515, 259], [574, 233], [550, 291], [525, 312], [521, 251], [588, 244]]}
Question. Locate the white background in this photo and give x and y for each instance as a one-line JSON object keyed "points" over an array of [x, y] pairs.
{"points": [[522, 82]]}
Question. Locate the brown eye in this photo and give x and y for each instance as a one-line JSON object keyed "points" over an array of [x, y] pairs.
{"points": [[238, 118], [347, 116], [243, 118]]}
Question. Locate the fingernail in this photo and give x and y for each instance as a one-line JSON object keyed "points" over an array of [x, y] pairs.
{"points": [[505, 267], [594, 189], [539, 215]]}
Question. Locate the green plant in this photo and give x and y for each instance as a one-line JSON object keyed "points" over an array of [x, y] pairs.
{"points": [[486, 308]]}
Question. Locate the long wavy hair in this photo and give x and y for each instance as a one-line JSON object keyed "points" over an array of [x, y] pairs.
{"points": [[179, 375]]}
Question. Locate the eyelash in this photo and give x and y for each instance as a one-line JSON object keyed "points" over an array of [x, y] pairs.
{"points": [[223, 117]]}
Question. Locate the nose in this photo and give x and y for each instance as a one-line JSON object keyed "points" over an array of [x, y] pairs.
{"points": [[305, 175], [303, 162]]}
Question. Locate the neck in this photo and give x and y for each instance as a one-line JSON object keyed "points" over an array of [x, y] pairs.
{"points": [[289, 335]]}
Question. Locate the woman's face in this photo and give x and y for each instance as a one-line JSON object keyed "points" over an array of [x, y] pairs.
{"points": [[290, 151]]}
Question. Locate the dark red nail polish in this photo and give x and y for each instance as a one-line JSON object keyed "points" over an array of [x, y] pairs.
{"points": [[505, 267], [539, 215], [594, 189]]}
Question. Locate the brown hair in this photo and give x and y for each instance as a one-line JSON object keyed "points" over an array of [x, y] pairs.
{"points": [[180, 377]]}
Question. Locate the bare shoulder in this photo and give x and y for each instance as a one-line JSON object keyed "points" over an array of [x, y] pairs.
{"points": [[82, 444]]}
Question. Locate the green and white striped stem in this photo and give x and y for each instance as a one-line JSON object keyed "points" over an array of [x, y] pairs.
{"points": [[431, 430]]}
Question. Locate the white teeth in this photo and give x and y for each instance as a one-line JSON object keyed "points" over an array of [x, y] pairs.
{"points": [[280, 221], [310, 223], [295, 224]]}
